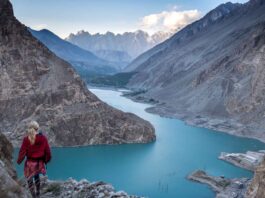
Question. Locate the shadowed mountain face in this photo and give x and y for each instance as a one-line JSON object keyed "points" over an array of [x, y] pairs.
{"points": [[211, 73], [36, 84], [80, 59], [118, 58]]}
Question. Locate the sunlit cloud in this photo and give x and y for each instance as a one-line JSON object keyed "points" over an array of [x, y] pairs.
{"points": [[39, 26], [169, 20]]}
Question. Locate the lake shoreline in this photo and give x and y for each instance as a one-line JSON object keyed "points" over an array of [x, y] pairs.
{"points": [[228, 126], [231, 187], [218, 125]]}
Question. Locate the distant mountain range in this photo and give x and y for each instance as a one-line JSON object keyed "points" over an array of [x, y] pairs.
{"points": [[106, 59], [212, 72], [82, 60], [131, 44]]}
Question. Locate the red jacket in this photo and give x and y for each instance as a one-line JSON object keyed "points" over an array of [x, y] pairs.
{"points": [[40, 150]]}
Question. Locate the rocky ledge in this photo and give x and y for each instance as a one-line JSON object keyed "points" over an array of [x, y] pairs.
{"points": [[249, 160], [224, 188], [74, 189]]}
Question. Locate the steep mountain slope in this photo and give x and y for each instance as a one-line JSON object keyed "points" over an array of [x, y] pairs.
{"points": [[36, 84], [73, 54], [211, 73], [132, 43]]}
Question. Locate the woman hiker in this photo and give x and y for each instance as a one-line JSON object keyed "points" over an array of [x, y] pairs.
{"points": [[37, 150]]}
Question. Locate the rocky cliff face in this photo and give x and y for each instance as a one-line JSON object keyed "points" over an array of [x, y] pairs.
{"points": [[211, 73], [9, 187], [36, 84], [257, 187]]}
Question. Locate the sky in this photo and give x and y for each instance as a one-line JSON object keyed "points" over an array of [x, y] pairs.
{"points": [[99, 16]]}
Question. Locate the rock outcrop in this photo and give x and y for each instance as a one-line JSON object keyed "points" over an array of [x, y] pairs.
{"points": [[9, 187], [237, 187], [78, 189], [37, 85], [257, 186], [211, 73], [224, 188]]}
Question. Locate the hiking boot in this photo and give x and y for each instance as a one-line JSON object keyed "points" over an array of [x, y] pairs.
{"points": [[37, 184], [32, 192]]}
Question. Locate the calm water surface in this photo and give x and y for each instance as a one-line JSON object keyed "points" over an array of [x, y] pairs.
{"points": [[155, 170]]}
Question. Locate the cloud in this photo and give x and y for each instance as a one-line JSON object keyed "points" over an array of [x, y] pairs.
{"points": [[39, 26], [169, 20]]}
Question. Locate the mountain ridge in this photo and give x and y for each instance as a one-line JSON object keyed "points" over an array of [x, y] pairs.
{"points": [[186, 32], [78, 57]]}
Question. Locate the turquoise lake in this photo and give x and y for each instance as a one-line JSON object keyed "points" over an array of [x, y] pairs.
{"points": [[155, 170]]}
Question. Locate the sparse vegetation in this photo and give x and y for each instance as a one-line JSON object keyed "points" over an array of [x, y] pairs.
{"points": [[117, 80], [135, 93]]}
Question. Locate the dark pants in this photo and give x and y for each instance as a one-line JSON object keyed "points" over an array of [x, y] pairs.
{"points": [[32, 186]]}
